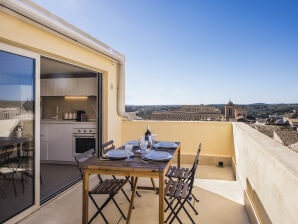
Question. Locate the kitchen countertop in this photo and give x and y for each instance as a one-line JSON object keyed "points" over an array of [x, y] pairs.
{"points": [[53, 121]]}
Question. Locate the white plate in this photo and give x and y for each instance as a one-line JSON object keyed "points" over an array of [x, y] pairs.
{"points": [[158, 155], [165, 145], [118, 154]]}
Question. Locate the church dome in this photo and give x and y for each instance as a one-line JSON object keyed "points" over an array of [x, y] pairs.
{"points": [[230, 103]]}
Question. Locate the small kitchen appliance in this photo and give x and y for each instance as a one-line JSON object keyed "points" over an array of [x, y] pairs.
{"points": [[81, 115]]}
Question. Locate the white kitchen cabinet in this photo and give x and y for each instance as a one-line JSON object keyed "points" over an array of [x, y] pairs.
{"points": [[69, 87], [60, 142], [87, 86], [43, 133], [43, 142], [44, 151]]}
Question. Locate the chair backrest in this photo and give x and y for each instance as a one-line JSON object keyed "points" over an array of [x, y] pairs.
{"points": [[196, 162], [107, 146], [79, 158], [194, 168]]}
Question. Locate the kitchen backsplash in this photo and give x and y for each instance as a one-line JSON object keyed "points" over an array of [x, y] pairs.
{"points": [[49, 105]]}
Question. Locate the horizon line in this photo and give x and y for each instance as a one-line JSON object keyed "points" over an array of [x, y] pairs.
{"points": [[205, 104]]}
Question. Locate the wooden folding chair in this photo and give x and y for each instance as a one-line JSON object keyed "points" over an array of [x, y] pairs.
{"points": [[108, 187], [105, 147], [109, 145], [178, 191]]}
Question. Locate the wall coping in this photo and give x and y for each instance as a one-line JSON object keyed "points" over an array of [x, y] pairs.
{"points": [[284, 155]]}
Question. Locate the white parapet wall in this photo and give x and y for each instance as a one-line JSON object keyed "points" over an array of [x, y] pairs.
{"points": [[269, 174]]}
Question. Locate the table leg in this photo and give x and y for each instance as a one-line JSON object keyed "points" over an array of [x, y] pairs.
{"points": [[153, 183], [85, 196], [161, 198], [178, 159], [135, 184]]}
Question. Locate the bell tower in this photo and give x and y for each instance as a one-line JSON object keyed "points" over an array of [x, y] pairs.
{"points": [[229, 111]]}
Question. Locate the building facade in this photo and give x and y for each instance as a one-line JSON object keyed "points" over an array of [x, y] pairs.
{"points": [[234, 112]]}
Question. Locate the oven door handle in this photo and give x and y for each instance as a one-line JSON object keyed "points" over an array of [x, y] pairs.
{"points": [[84, 136]]}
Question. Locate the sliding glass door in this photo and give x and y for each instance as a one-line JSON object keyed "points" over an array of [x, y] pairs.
{"points": [[17, 131]]}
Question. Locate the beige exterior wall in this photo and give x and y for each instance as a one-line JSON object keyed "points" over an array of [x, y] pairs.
{"points": [[24, 34], [216, 137], [271, 170]]}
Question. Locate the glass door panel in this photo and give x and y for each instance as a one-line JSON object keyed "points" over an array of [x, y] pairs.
{"points": [[17, 134]]}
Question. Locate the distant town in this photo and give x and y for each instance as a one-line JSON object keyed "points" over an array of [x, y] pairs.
{"points": [[278, 121], [213, 112]]}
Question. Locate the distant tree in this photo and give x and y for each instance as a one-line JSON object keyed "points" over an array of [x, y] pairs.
{"points": [[251, 117]]}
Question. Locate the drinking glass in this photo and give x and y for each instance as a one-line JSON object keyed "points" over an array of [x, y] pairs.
{"points": [[143, 145], [141, 139], [128, 147], [153, 138]]}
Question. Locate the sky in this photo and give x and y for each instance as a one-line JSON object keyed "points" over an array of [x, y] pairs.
{"points": [[16, 79], [196, 51]]}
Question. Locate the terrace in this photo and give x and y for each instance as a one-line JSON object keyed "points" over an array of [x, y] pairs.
{"points": [[258, 183]]}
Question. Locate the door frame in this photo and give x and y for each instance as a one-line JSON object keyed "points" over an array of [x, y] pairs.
{"points": [[99, 102], [36, 57]]}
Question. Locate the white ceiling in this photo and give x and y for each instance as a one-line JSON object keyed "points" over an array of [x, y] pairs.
{"points": [[53, 67]]}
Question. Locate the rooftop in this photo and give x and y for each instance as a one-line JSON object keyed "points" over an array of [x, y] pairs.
{"points": [[284, 135]]}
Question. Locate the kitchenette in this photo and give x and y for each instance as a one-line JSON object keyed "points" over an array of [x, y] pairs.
{"points": [[69, 100], [68, 111]]}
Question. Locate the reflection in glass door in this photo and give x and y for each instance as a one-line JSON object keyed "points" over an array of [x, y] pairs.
{"points": [[17, 134]]}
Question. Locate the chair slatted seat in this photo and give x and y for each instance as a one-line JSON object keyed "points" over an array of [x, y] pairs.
{"points": [[172, 188], [175, 172], [108, 186], [176, 189], [182, 190]]}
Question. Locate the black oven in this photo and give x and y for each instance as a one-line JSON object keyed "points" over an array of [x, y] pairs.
{"points": [[83, 140]]}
